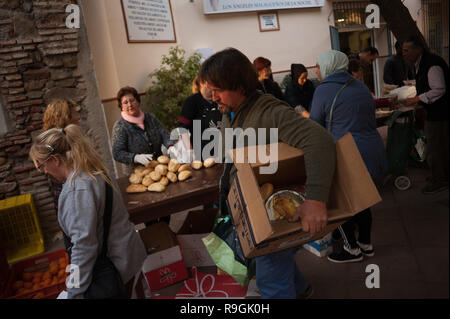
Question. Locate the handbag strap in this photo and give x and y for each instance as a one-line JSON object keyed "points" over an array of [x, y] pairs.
{"points": [[107, 218], [335, 99]]}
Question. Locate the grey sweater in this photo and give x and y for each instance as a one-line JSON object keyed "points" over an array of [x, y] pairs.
{"points": [[80, 215], [129, 139], [265, 111]]}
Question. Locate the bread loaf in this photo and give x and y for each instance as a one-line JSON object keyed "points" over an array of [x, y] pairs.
{"points": [[184, 175], [174, 165], [163, 159], [197, 164], [209, 162], [135, 178], [161, 169], [184, 167], [155, 176], [156, 187], [172, 177], [147, 180], [136, 188], [266, 191]]}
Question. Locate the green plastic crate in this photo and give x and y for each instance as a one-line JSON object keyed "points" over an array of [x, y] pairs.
{"points": [[20, 231]]}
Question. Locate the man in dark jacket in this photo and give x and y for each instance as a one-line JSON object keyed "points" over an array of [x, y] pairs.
{"points": [[432, 81], [233, 81], [396, 69]]}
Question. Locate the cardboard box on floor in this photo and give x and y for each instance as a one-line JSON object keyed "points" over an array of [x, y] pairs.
{"points": [[198, 224], [164, 264], [352, 191]]}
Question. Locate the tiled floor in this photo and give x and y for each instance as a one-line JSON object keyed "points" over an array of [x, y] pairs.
{"points": [[410, 234]]}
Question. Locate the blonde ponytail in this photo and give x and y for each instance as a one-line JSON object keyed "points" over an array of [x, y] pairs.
{"points": [[75, 149]]}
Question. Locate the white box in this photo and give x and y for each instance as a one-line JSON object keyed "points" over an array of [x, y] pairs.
{"points": [[321, 247]]}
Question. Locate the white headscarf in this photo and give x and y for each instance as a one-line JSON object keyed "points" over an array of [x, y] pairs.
{"points": [[331, 62]]}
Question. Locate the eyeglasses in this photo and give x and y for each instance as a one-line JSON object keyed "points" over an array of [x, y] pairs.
{"points": [[40, 168]]}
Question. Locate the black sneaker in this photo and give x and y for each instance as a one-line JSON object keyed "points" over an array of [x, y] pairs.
{"points": [[344, 257], [434, 188], [306, 294], [369, 251]]}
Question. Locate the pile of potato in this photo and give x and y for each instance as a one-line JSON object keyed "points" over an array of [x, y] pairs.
{"points": [[156, 175]]}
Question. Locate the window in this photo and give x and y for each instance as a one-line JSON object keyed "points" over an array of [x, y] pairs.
{"points": [[348, 13], [435, 26]]}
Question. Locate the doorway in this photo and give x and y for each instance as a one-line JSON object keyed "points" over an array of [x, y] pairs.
{"points": [[355, 41]]}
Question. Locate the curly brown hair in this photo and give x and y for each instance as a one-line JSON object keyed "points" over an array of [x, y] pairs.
{"points": [[58, 114], [127, 90]]}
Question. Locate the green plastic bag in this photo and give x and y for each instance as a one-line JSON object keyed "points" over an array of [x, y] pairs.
{"points": [[224, 247]]}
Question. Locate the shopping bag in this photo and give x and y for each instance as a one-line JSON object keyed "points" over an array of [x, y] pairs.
{"points": [[419, 151], [226, 252], [179, 151]]}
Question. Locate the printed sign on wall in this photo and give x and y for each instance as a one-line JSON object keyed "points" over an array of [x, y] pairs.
{"points": [[148, 20], [226, 6]]}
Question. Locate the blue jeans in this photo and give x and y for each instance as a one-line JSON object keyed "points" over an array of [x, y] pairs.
{"points": [[278, 277]]}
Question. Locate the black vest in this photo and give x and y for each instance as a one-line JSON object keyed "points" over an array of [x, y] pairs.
{"points": [[437, 111]]}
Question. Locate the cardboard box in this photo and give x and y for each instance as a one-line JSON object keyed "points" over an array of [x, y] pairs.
{"points": [[321, 247], [352, 191], [164, 264], [198, 224]]}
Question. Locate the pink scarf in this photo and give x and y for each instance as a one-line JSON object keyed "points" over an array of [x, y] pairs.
{"points": [[138, 120]]}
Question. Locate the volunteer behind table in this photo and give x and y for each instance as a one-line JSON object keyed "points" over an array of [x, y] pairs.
{"points": [[432, 83], [199, 107], [356, 70], [300, 91], [68, 156], [265, 77], [137, 137], [234, 82], [354, 112]]}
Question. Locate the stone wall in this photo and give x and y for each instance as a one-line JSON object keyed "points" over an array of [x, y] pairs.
{"points": [[41, 60]]}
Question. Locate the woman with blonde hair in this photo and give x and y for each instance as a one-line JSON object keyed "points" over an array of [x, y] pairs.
{"points": [[69, 157], [60, 113]]}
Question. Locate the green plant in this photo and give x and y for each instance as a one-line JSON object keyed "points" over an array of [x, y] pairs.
{"points": [[171, 85]]}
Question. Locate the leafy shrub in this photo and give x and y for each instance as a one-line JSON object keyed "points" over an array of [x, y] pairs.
{"points": [[171, 85]]}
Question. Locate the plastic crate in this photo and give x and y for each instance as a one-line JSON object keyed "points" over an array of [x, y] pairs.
{"points": [[19, 228], [33, 265]]}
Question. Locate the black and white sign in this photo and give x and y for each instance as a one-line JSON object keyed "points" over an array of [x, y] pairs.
{"points": [[148, 20]]}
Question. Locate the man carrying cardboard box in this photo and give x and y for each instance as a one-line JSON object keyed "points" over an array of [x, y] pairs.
{"points": [[233, 81]]}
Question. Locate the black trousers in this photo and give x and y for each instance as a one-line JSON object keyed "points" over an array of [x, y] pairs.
{"points": [[362, 220], [437, 133]]}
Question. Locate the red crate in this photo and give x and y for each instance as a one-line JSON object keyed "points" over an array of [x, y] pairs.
{"points": [[33, 265]]}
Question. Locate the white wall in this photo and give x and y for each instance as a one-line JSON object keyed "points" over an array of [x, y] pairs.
{"points": [[303, 35]]}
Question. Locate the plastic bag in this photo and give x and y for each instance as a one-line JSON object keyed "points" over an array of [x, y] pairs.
{"points": [[404, 92], [179, 150], [226, 252]]}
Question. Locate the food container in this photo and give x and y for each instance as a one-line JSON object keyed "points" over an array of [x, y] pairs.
{"points": [[296, 197]]}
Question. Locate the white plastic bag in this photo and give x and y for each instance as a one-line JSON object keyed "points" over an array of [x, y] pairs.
{"points": [[405, 92], [179, 151]]}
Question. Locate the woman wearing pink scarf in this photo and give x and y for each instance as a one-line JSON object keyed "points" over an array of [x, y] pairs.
{"points": [[137, 136]]}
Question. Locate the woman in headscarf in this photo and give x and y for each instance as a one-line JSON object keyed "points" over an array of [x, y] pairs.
{"points": [[353, 111], [300, 91]]}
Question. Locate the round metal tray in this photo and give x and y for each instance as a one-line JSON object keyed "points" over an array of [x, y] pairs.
{"points": [[297, 197]]}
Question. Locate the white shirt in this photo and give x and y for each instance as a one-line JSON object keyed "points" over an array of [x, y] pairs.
{"points": [[436, 82]]}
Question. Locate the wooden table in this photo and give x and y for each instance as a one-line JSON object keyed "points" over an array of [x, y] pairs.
{"points": [[201, 188]]}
